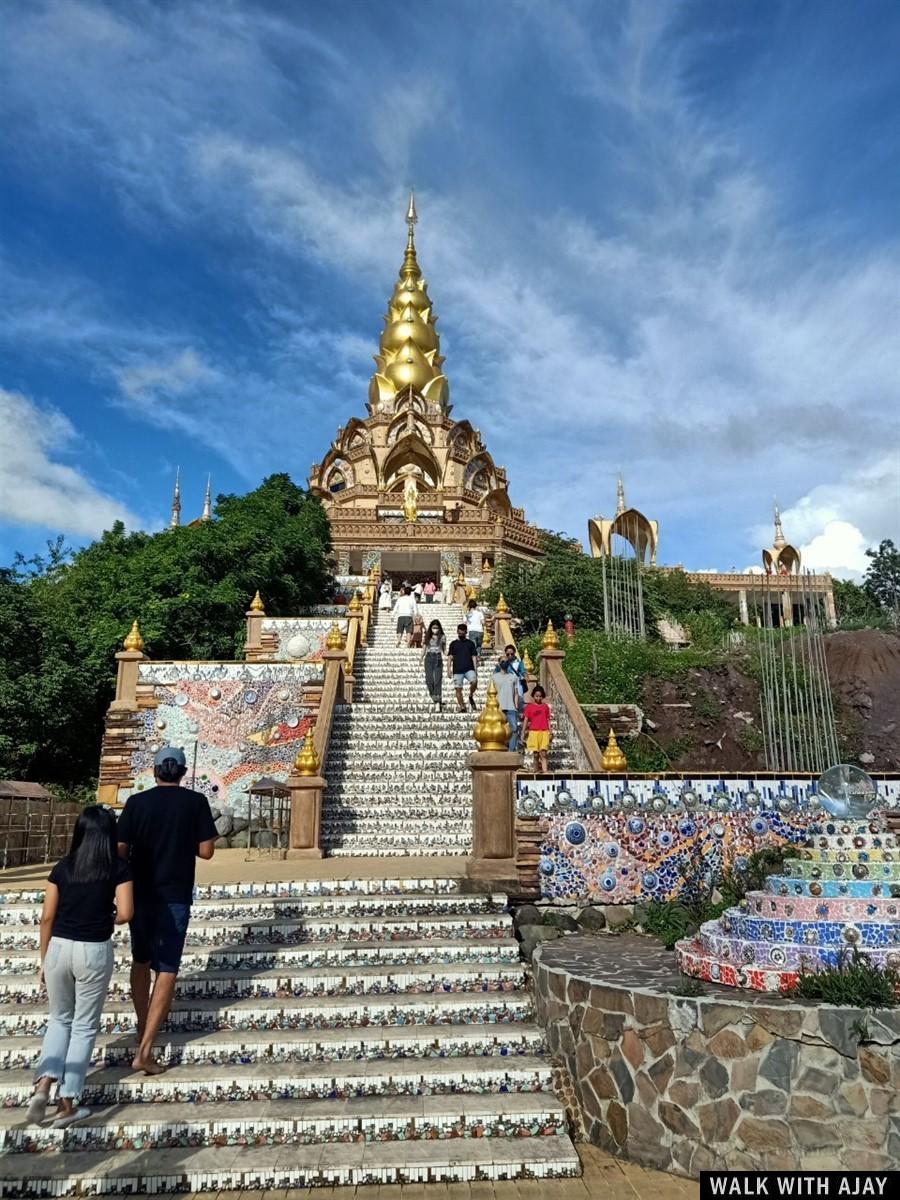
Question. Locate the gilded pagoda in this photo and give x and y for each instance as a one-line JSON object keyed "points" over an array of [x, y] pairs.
{"points": [[409, 489]]}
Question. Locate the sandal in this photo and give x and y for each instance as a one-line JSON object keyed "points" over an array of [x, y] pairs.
{"points": [[37, 1107], [70, 1118]]}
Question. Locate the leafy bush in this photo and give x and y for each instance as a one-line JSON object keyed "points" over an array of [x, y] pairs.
{"points": [[855, 981]]}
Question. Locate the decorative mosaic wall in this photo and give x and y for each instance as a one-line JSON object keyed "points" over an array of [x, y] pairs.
{"points": [[235, 721], [616, 841], [303, 638]]}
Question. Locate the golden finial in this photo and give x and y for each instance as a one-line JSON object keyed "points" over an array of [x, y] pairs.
{"points": [[256, 604], [134, 641], [549, 641], [492, 730], [501, 606], [485, 566], [335, 639], [487, 641], [307, 761], [354, 606], [470, 592], [613, 759], [527, 663]]}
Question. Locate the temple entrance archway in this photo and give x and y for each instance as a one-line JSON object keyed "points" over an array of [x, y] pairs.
{"points": [[417, 566]]}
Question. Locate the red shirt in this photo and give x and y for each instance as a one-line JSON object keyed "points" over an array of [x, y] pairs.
{"points": [[538, 717]]}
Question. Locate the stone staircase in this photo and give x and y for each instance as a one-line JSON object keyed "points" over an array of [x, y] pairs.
{"points": [[323, 1032], [398, 780]]}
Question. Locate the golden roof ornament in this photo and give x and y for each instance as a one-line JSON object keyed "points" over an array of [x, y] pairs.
{"points": [[134, 641], [256, 604], [354, 606], [409, 351], [613, 759], [527, 663], [335, 639], [549, 641], [307, 761], [492, 730], [501, 606], [485, 566]]}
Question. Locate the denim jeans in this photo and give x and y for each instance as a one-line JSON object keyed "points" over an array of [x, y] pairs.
{"points": [[512, 717], [77, 976], [434, 674]]}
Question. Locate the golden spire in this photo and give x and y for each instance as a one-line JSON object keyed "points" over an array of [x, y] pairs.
{"points": [[527, 663], [335, 639], [492, 730], [175, 515], [134, 641], [779, 532], [613, 759], [549, 641], [409, 352], [206, 515], [256, 604], [501, 606], [354, 606], [307, 761]]}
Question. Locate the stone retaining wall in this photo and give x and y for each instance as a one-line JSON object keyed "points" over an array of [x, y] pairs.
{"points": [[723, 1080]]}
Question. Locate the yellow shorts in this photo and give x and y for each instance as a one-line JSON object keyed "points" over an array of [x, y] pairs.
{"points": [[538, 740]]}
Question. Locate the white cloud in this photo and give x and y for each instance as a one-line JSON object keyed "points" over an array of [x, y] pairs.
{"points": [[172, 376], [38, 489], [840, 549]]}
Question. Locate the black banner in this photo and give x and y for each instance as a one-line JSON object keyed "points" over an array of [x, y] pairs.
{"points": [[770, 1185]]}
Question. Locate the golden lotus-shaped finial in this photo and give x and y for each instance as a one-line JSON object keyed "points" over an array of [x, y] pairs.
{"points": [[307, 761], [527, 663], [485, 565], [487, 641], [470, 592], [256, 604], [134, 641], [492, 730], [613, 759], [335, 639], [549, 641], [501, 606], [354, 606]]}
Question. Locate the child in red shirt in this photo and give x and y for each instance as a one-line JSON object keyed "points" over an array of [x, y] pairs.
{"points": [[536, 728]]}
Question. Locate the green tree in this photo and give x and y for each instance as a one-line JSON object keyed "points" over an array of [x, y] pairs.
{"points": [[855, 606], [63, 617], [882, 579], [564, 582]]}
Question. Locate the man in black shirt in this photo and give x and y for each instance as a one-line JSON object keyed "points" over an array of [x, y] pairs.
{"points": [[462, 666], [161, 832]]}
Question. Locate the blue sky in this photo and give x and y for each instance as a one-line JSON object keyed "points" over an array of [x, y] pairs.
{"points": [[661, 238]]}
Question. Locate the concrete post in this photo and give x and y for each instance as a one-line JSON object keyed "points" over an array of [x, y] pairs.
{"points": [[126, 680], [787, 609], [253, 639], [742, 602], [306, 816], [546, 657], [493, 814], [830, 611]]}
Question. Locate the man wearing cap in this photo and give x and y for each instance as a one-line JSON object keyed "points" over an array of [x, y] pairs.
{"points": [[161, 831]]}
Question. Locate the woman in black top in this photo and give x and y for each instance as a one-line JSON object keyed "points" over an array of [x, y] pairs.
{"points": [[88, 891]]}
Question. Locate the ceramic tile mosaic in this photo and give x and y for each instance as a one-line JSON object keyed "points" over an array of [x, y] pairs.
{"points": [[831, 897], [303, 638], [241, 722]]}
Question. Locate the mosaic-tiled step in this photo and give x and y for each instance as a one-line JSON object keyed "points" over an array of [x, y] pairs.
{"points": [[875, 871], [295, 907], [228, 1047], [782, 886], [363, 846], [465, 977], [875, 934], [316, 929], [780, 955], [265, 957], [232, 1168], [812, 908], [322, 1012], [759, 977], [198, 1084], [350, 822], [835, 836], [292, 1123]]}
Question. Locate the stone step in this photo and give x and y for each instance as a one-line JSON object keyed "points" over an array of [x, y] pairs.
{"points": [[261, 956], [468, 1076], [274, 1122], [228, 1046], [284, 982], [219, 933], [307, 907], [317, 1012], [779, 955], [360, 821], [365, 847], [233, 1168]]}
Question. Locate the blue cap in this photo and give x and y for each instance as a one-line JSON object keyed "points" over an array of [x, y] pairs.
{"points": [[165, 752]]}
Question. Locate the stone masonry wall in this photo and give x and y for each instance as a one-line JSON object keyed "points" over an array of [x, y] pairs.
{"points": [[723, 1080]]}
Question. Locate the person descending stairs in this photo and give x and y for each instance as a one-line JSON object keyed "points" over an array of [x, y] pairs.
{"points": [[398, 779]]}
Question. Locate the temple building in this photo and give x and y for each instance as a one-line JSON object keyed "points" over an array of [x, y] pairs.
{"points": [[409, 488], [640, 534]]}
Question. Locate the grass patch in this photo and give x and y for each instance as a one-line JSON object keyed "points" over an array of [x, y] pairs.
{"points": [[855, 982]]}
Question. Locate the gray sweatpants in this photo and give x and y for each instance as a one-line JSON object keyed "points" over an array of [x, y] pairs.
{"points": [[77, 976]]}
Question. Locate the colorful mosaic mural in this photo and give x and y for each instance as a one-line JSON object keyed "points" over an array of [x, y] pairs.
{"points": [[236, 722], [618, 841], [303, 638]]}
